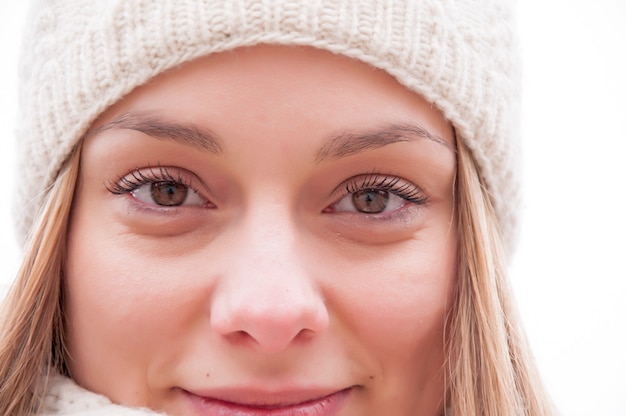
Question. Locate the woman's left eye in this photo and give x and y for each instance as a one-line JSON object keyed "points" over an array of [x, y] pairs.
{"points": [[369, 201], [377, 194]]}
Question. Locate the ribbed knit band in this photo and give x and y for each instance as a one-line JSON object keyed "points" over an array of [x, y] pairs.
{"points": [[81, 56]]}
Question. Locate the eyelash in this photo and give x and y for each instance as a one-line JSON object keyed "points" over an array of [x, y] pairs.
{"points": [[392, 184], [139, 177], [374, 181]]}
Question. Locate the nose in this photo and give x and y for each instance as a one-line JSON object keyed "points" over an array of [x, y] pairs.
{"points": [[267, 299]]}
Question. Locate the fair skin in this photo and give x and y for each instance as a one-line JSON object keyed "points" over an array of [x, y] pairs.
{"points": [[266, 231]]}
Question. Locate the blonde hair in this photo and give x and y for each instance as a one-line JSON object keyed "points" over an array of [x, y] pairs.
{"points": [[32, 317], [489, 368]]}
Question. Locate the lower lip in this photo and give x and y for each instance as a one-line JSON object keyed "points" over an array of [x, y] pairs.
{"points": [[324, 406]]}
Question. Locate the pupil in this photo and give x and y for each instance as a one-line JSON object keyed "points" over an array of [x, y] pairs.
{"points": [[370, 201], [168, 193]]}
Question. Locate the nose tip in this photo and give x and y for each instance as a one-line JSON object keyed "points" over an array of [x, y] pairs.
{"points": [[270, 321]]}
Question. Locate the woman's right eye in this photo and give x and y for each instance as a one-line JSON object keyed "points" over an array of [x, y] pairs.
{"points": [[159, 187], [167, 194]]}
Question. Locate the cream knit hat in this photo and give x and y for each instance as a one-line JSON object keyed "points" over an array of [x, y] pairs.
{"points": [[81, 56]]}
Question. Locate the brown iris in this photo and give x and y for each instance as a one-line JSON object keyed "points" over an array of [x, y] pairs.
{"points": [[168, 193], [370, 200]]}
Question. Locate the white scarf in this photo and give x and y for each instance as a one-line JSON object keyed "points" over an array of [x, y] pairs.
{"points": [[64, 397]]}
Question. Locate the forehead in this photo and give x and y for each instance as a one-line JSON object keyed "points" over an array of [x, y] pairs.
{"points": [[309, 88]]}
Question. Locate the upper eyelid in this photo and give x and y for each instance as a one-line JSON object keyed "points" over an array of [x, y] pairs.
{"points": [[379, 180], [158, 173], [373, 181], [164, 176]]}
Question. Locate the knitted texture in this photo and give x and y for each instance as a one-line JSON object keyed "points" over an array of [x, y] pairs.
{"points": [[81, 56], [64, 397]]}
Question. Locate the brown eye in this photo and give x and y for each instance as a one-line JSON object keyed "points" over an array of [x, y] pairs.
{"points": [[376, 194], [370, 201], [168, 193]]}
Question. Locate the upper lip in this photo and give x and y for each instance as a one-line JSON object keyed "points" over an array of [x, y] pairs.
{"points": [[263, 398]]}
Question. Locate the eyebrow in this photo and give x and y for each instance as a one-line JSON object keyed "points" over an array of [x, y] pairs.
{"points": [[159, 128], [340, 145], [350, 142]]}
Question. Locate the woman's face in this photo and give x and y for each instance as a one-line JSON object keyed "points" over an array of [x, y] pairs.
{"points": [[267, 231]]}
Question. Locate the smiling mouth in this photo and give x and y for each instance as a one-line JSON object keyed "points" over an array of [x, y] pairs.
{"points": [[296, 405]]}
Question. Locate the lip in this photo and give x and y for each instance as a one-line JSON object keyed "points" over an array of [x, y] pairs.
{"points": [[256, 403]]}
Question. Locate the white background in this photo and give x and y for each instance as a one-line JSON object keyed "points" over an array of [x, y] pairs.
{"points": [[570, 270]]}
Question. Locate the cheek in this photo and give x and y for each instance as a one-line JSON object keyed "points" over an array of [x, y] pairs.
{"points": [[125, 305], [121, 288], [398, 300]]}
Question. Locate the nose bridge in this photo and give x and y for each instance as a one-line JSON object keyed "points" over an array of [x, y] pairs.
{"points": [[268, 241], [268, 296], [270, 234]]}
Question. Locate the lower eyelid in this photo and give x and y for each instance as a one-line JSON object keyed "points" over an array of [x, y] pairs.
{"points": [[403, 217]]}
